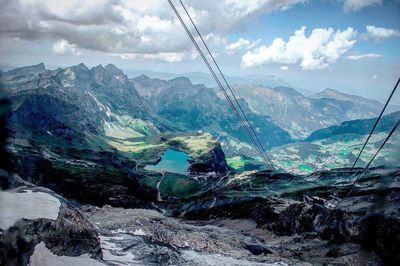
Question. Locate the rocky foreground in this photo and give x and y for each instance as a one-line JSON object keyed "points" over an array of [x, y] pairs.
{"points": [[297, 228]]}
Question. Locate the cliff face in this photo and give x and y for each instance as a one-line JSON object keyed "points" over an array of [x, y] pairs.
{"points": [[213, 161]]}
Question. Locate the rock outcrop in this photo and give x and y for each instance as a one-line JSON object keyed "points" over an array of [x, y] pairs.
{"points": [[212, 161], [69, 234]]}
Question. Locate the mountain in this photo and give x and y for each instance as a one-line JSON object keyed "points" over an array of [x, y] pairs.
{"points": [[337, 147], [208, 80], [77, 130], [97, 100], [300, 115], [102, 109], [89, 149], [358, 127], [88, 134], [196, 107]]}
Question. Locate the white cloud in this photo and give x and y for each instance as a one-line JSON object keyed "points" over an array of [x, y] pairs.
{"points": [[284, 68], [322, 48], [374, 76], [355, 5], [169, 57], [378, 33], [125, 26], [362, 56], [241, 44], [63, 47]]}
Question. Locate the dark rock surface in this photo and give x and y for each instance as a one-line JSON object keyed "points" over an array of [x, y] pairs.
{"points": [[382, 234], [213, 161], [152, 238], [257, 249], [369, 217]]}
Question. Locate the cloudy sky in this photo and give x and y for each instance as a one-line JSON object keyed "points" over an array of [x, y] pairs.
{"points": [[349, 45]]}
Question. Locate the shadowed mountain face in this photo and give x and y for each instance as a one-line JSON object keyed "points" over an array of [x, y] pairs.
{"points": [[300, 115]]}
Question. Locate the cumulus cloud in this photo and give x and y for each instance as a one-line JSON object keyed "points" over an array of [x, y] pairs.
{"points": [[355, 5], [147, 27], [362, 56], [378, 33], [284, 68], [63, 47], [241, 44], [322, 48]]}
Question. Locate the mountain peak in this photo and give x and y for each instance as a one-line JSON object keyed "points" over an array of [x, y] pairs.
{"points": [[113, 69], [98, 67], [34, 69], [181, 81], [335, 94], [81, 67], [329, 91], [288, 91], [142, 77]]}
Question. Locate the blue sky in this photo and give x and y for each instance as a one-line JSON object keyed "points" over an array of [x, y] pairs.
{"points": [[248, 37]]}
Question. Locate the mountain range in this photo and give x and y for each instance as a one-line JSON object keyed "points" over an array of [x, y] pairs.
{"points": [[301, 115], [208, 80], [196, 107], [102, 106]]}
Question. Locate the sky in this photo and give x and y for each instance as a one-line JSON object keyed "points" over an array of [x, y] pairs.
{"points": [[349, 45]]}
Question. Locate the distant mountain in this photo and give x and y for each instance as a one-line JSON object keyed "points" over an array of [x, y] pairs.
{"points": [[208, 80], [358, 127], [196, 107], [287, 107], [301, 115], [338, 146]]}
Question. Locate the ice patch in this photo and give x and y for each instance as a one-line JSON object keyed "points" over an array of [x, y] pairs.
{"points": [[43, 256], [30, 205], [139, 232], [113, 254], [218, 259]]}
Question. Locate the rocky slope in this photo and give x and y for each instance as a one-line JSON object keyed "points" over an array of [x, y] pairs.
{"points": [[220, 228]]}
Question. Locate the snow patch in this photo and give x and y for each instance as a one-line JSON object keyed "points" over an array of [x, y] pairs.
{"points": [[30, 205], [139, 232], [43, 256], [113, 254], [69, 80]]}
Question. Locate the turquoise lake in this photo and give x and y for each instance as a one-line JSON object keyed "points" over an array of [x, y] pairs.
{"points": [[172, 161]]}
